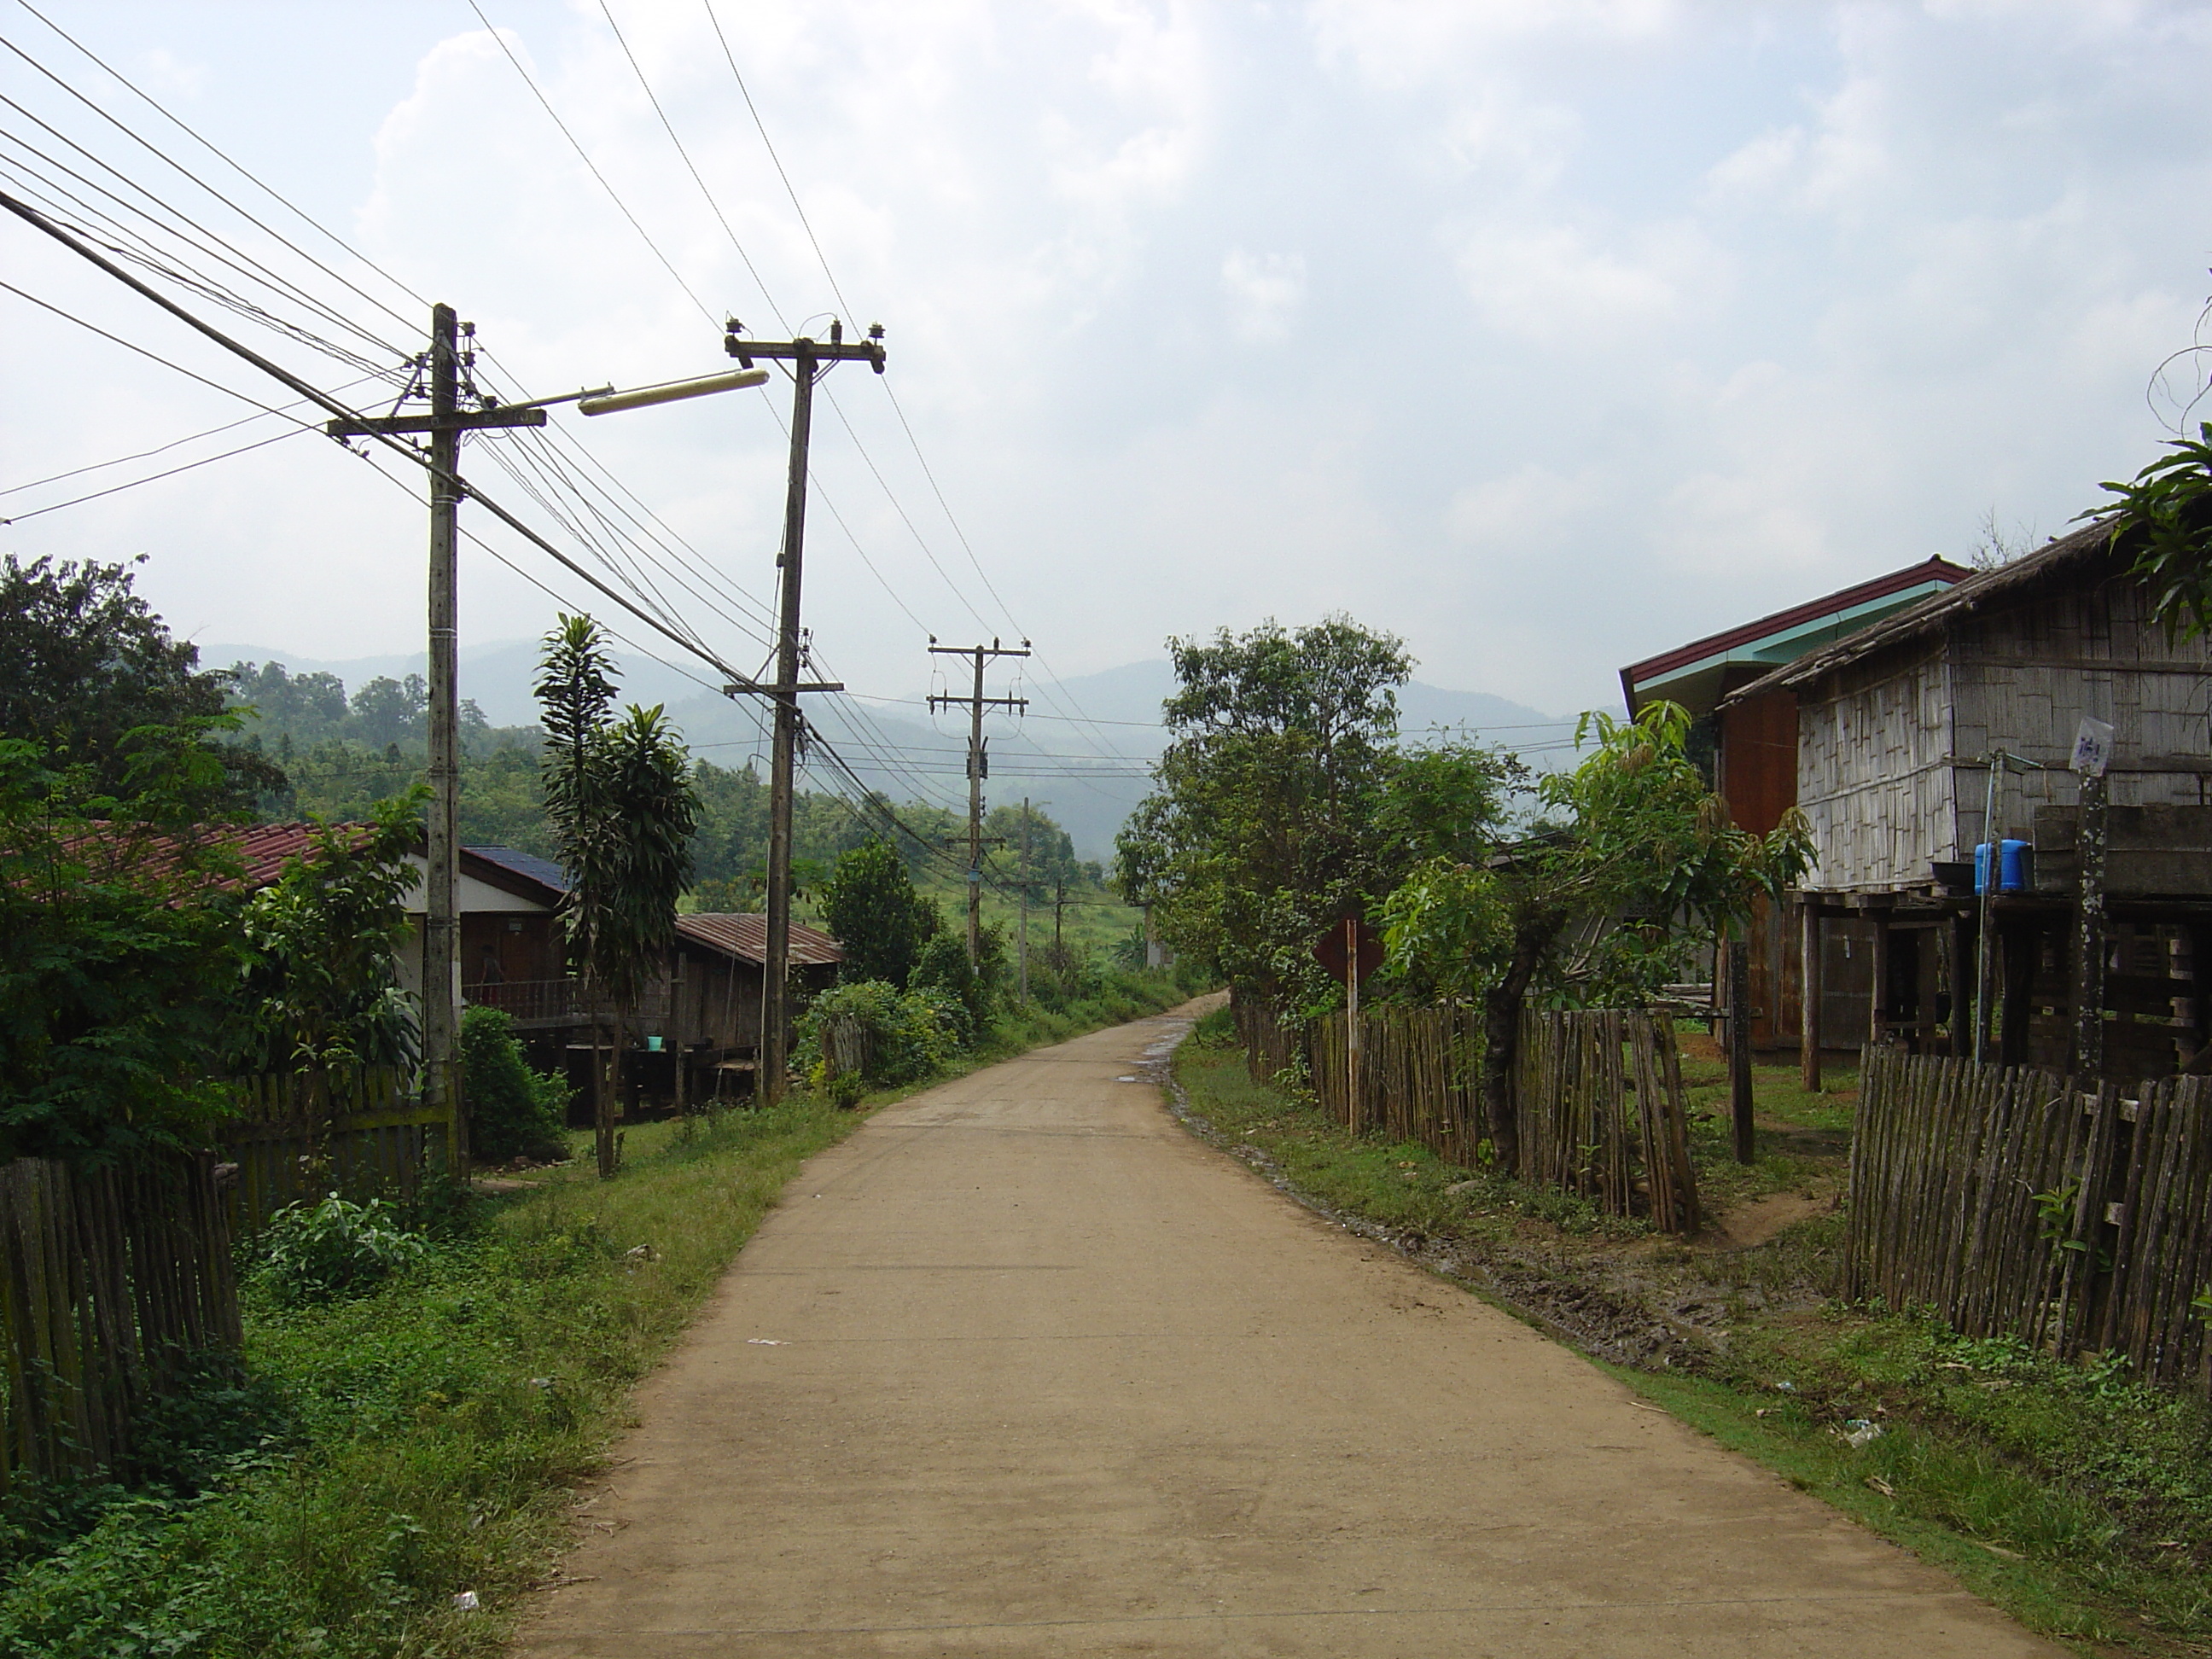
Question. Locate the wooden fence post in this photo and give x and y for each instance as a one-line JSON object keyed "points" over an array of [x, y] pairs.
{"points": [[1739, 1036], [1808, 996]]}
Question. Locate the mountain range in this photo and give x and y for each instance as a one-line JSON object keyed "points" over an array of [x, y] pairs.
{"points": [[1083, 750]]}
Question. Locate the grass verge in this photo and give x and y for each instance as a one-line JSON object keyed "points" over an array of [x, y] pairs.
{"points": [[385, 1459], [2076, 1499]]}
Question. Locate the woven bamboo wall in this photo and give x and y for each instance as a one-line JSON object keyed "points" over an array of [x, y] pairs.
{"points": [[1890, 747]]}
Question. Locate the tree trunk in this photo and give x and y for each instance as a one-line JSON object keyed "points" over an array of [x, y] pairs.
{"points": [[609, 1093], [1501, 1040]]}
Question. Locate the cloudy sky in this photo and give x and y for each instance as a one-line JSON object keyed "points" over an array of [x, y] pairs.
{"points": [[1546, 335]]}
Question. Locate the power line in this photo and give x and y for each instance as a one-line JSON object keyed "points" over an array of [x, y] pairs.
{"points": [[167, 161], [117, 489], [546, 104], [144, 454], [297, 212]]}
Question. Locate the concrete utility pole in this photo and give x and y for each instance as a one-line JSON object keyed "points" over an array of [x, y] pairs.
{"points": [[978, 766], [809, 360], [443, 368]]}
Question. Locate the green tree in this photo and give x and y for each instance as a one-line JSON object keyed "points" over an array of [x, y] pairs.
{"points": [[619, 796], [84, 660], [2164, 519], [326, 936], [870, 907], [1634, 863], [1263, 824], [120, 948]]}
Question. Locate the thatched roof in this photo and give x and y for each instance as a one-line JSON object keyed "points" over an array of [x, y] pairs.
{"points": [[2085, 555]]}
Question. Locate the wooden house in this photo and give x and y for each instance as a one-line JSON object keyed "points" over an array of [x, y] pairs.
{"points": [[1909, 732], [695, 1031], [1753, 741]]}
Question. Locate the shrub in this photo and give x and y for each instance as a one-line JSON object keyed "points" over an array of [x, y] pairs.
{"points": [[906, 1035], [332, 1250], [513, 1111]]}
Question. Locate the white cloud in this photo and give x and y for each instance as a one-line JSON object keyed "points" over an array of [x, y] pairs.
{"points": [[1265, 291], [1554, 286]]}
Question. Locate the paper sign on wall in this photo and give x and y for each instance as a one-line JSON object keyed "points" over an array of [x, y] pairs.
{"points": [[2093, 746]]}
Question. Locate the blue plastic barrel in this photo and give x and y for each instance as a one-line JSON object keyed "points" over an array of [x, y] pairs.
{"points": [[2012, 866]]}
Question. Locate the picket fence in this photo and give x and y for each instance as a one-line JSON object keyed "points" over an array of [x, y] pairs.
{"points": [[1418, 1077], [364, 1132], [111, 1280], [2075, 1215]]}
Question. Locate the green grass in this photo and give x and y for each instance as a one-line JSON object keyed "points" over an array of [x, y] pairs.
{"points": [[2079, 1502], [424, 1438]]}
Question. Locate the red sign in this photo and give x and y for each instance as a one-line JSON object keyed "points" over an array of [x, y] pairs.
{"points": [[1350, 944]]}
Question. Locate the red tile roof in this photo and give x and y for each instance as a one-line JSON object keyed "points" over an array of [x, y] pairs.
{"points": [[745, 937]]}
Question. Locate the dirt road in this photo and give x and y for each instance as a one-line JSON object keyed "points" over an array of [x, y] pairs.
{"points": [[1023, 1368]]}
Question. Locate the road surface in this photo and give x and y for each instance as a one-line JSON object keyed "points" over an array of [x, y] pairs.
{"points": [[1023, 1368]]}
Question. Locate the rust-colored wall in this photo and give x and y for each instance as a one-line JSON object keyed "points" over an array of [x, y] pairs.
{"points": [[1758, 759]]}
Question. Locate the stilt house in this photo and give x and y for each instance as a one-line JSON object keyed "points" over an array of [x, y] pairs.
{"points": [[1954, 721], [1753, 738]]}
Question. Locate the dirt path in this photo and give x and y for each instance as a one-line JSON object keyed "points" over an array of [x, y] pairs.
{"points": [[1023, 1368]]}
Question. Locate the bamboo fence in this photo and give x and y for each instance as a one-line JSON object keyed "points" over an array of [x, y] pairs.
{"points": [[1418, 1077], [1273, 1045], [110, 1280], [1602, 1114], [2018, 1202], [358, 1131], [1599, 1095]]}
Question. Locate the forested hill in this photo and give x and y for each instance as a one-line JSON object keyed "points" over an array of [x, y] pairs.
{"points": [[341, 751], [1083, 751]]}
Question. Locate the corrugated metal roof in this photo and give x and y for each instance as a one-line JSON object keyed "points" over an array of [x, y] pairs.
{"points": [[735, 933], [2056, 561], [1934, 569], [544, 871]]}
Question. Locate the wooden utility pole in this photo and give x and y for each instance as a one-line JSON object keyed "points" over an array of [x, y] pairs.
{"points": [[1022, 945], [978, 766], [809, 360], [440, 905], [442, 369]]}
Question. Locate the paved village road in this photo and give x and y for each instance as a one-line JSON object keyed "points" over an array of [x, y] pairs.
{"points": [[1049, 1375]]}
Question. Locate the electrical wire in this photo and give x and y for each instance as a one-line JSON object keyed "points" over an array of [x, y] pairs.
{"points": [[170, 162], [117, 489], [546, 104], [144, 454]]}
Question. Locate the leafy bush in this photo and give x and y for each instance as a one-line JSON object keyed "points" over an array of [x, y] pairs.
{"points": [[513, 1111], [906, 1035], [333, 1249]]}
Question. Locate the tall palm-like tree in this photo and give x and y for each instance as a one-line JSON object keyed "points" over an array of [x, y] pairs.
{"points": [[619, 793]]}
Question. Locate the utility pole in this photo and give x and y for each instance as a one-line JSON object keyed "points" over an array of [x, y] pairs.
{"points": [[444, 366], [1022, 947], [978, 766], [809, 360]]}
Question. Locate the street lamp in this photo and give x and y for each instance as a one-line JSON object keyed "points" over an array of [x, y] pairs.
{"points": [[669, 391]]}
